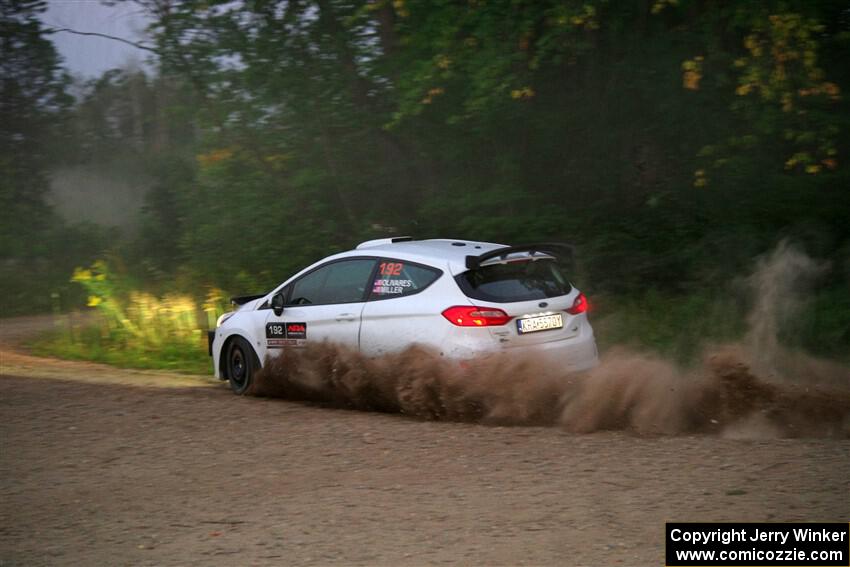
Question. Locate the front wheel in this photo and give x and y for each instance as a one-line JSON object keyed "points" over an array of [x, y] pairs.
{"points": [[241, 365]]}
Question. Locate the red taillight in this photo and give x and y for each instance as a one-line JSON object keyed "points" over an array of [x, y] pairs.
{"points": [[579, 305], [470, 316]]}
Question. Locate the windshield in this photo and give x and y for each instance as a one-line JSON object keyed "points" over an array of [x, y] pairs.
{"points": [[522, 280]]}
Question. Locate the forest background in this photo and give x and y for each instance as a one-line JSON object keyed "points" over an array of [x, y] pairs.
{"points": [[672, 141]]}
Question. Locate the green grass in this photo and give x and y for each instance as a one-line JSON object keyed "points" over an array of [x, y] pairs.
{"points": [[136, 329], [678, 327], [90, 344], [824, 325]]}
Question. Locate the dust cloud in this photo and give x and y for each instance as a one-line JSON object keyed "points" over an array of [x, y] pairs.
{"points": [[778, 285], [753, 389]]}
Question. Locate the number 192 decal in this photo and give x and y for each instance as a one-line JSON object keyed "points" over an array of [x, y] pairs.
{"points": [[391, 268]]}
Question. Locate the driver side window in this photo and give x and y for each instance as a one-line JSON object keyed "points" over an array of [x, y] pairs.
{"points": [[344, 281]]}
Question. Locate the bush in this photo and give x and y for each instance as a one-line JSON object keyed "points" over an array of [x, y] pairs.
{"points": [[138, 329]]}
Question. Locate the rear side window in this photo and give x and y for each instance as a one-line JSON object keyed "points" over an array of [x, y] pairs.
{"points": [[515, 281], [397, 278]]}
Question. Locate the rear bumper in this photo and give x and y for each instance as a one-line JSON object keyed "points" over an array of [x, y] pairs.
{"points": [[572, 355]]}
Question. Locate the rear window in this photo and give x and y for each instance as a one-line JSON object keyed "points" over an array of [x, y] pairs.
{"points": [[515, 281]]}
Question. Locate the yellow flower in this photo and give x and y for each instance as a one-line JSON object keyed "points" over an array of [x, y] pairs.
{"points": [[690, 80], [429, 98], [659, 5], [81, 275], [525, 92], [214, 156], [94, 301], [833, 90], [400, 8]]}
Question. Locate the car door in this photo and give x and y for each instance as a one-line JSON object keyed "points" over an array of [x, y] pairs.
{"points": [[324, 304], [398, 313]]}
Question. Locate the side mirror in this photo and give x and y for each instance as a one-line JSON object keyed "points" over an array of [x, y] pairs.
{"points": [[277, 303]]}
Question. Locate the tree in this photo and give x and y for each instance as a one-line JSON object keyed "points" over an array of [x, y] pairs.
{"points": [[590, 121], [32, 99], [38, 249]]}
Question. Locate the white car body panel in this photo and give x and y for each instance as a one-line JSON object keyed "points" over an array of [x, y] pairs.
{"points": [[339, 324], [416, 319], [379, 326]]}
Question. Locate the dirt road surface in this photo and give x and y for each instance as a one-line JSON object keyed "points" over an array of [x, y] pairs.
{"points": [[100, 466]]}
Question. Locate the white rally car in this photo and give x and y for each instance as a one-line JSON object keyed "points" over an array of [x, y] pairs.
{"points": [[463, 299]]}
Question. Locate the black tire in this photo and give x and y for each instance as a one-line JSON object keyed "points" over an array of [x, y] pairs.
{"points": [[241, 364]]}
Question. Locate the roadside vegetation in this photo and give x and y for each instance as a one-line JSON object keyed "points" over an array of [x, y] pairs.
{"points": [[135, 329], [672, 141]]}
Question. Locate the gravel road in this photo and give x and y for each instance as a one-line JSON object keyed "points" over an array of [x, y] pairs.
{"points": [[100, 466]]}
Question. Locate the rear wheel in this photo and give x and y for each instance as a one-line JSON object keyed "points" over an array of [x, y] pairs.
{"points": [[241, 365]]}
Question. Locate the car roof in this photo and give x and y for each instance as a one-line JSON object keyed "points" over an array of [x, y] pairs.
{"points": [[436, 250]]}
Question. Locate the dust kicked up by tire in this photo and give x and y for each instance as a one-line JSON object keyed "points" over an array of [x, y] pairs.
{"points": [[789, 395]]}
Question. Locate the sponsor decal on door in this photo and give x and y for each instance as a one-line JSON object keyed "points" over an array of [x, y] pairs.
{"points": [[282, 334]]}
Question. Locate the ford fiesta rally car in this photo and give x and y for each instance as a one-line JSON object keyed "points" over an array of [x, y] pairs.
{"points": [[462, 298]]}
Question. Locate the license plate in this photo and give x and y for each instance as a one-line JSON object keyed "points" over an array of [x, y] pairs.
{"points": [[542, 323]]}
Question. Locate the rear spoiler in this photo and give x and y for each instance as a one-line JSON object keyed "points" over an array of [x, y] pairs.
{"points": [[243, 299], [557, 249]]}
